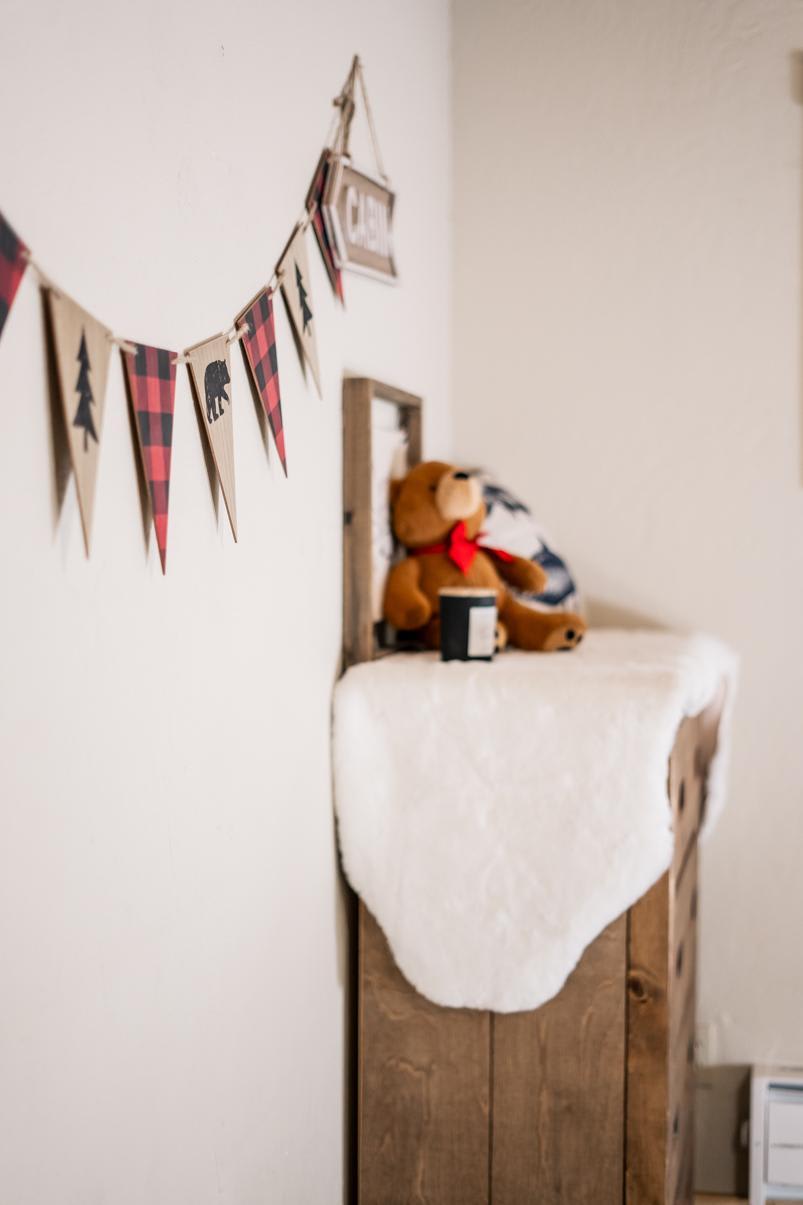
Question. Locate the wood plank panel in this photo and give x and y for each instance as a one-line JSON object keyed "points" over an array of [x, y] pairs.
{"points": [[358, 631], [558, 1088], [681, 1147], [424, 1089], [681, 1122], [708, 1199], [681, 1055], [685, 790], [359, 641], [684, 912], [647, 1048], [683, 997], [682, 946], [662, 956]]}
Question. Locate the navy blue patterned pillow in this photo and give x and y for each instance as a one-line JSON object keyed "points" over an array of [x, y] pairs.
{"points": [[511, 526]]}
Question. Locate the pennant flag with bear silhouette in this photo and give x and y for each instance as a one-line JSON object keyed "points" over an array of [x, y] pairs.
{"points": [[151, 376], [259, 346], [82, 347], [13, 262], [211, 379], [293, 273]]}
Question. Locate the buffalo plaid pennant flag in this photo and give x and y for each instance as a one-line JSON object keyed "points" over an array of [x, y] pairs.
{"points": [[151, 374], [314, 202], [259, 345], [13, 262]]}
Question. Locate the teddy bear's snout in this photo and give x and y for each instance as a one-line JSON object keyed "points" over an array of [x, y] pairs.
{"points": [[458, 496]]}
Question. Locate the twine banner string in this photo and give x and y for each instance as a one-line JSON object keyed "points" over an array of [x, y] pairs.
{"points": [[371, 127], [45, 281], [345, 103], [123, 344], [337, 140]]}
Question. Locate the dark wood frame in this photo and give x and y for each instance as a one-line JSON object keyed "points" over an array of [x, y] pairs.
{"points": [[360, 639], [587, 1100]]}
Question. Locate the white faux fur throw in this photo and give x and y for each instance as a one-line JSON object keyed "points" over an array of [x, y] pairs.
{"points": [[495, 817]]}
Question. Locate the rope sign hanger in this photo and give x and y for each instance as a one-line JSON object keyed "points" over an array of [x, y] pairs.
{"points": [[356, 208]]}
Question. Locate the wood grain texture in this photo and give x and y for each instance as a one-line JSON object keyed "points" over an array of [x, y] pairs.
{"points": [[647, 1051], [358, 633], [424, 1089], [559, 1085], [682, 997], [682, 947], [359, 643], [685, 790], [662, 956], [588, 1099]]}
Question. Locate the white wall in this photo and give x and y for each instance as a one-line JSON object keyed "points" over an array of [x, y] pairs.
{"points": [[627, 354], [171, 924]]}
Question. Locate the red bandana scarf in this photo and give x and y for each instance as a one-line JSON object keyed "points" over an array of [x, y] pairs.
{"points": [[460, 549]]}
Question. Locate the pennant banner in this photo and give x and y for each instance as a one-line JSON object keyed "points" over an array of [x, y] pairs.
{"points": [[83, 347], [351, 218], [315, 206], [209, 369], [13, 262], [293, 272], [151, 376], [259, 345]]}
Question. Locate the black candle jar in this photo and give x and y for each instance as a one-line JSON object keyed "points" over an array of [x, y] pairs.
{"points": [[468, 623]]}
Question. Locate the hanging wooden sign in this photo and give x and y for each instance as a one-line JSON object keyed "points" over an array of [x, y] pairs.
{"points": [[83, 347], [358, 211], [293, 273], [209, 370]]}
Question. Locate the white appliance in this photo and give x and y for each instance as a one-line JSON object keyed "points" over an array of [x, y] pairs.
{"points": [[776, 1135]]}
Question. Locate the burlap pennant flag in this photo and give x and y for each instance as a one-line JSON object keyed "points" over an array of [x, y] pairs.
{"points": [[151, 376], [13, 262], [314, 203], [209, 370], [293, 272], [259, 346], [83, 347]]}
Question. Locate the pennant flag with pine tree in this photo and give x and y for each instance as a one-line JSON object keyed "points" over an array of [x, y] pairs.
{"points": [[151, 376], [293, 271], [314, 203], [82, 347], [13, 262], [83, 414], [211, 380], [259, 348]]}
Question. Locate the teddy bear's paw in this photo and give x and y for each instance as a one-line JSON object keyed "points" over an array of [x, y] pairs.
{"points": [[501, 637], [529, 576], [416, 614], [565, 635]]}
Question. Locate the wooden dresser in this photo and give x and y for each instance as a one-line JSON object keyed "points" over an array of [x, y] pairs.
{"points": [[588, 1100], [585, 1101]]}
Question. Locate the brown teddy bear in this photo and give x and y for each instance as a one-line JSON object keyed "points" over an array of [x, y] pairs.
{"points": [[437, 513]]}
